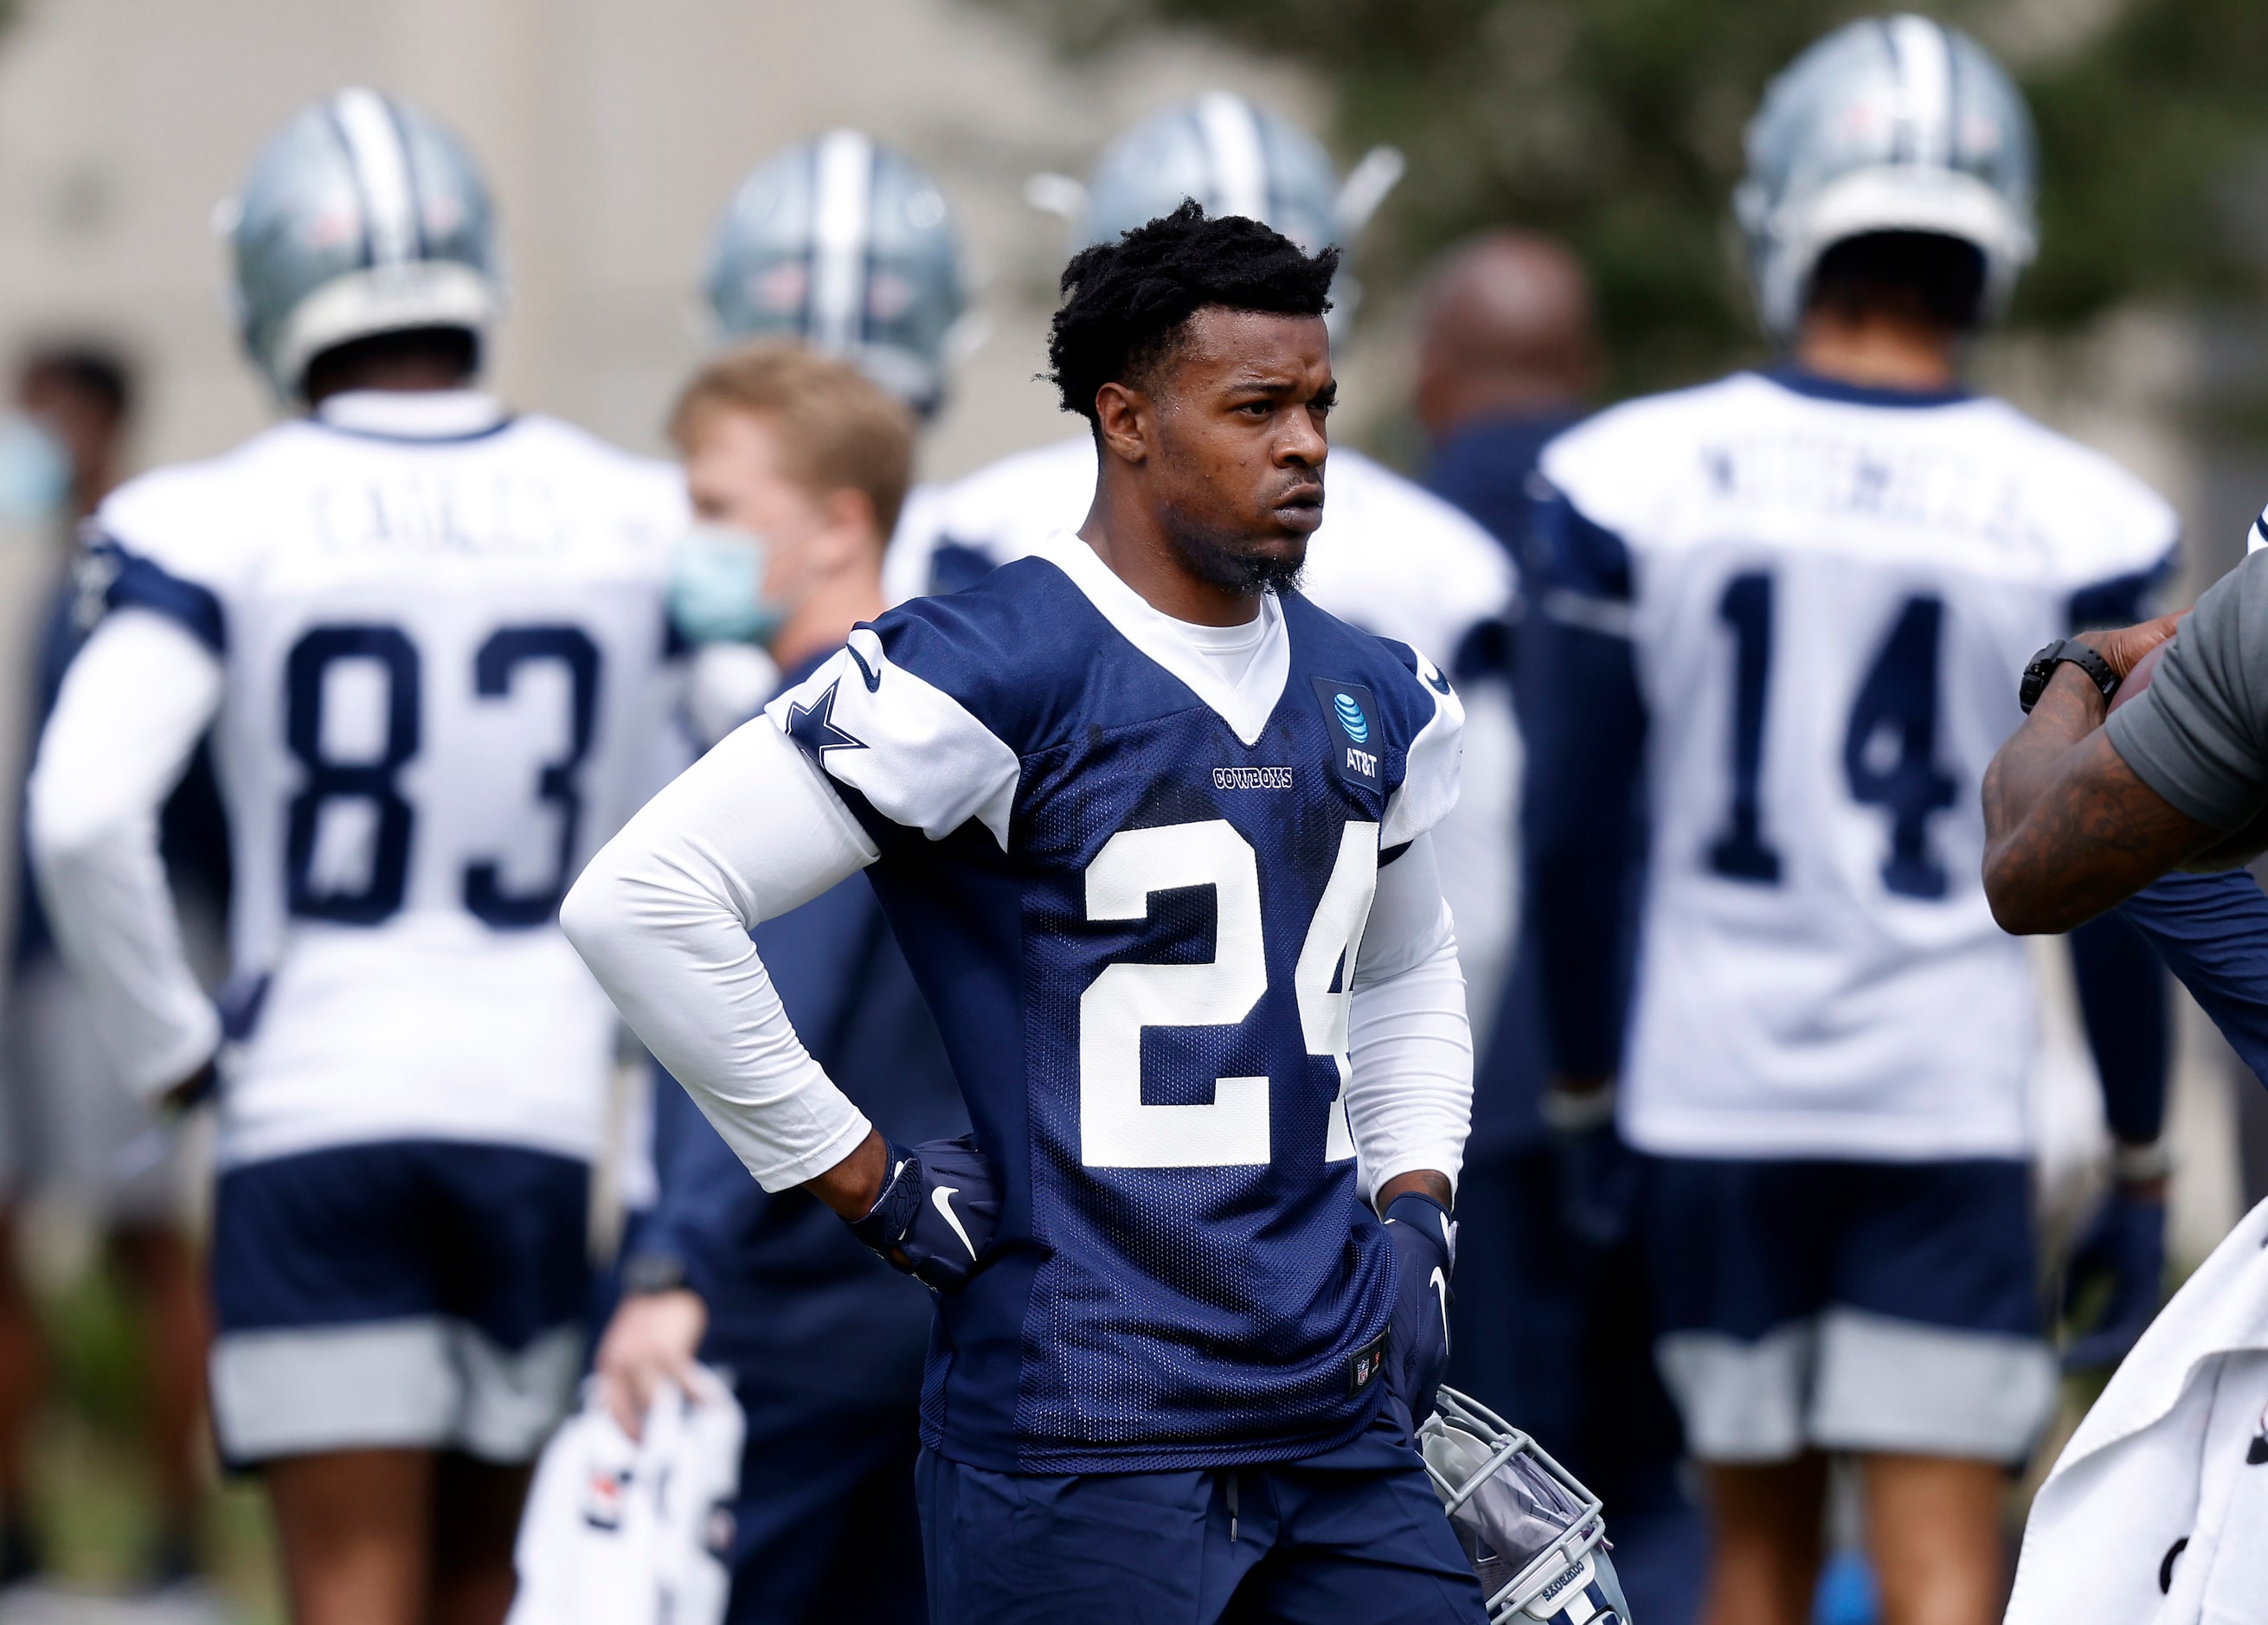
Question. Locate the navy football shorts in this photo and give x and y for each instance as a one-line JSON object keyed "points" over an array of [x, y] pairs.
{"points": [[1353, 1534], [1848, 1306], [407, 1294]]}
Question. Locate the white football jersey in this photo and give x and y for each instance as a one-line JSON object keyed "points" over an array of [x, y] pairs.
{"points": [[1831, 593], [1390, 557], [444, 640]]}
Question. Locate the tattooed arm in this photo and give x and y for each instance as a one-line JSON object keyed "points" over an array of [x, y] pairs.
{"points": [[2070, 829]]}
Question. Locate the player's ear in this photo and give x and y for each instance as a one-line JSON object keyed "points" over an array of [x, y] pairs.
{"points": [[1121, 422]]}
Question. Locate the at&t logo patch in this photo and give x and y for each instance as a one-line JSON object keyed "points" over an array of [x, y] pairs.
{"points": [[1358, 740]]}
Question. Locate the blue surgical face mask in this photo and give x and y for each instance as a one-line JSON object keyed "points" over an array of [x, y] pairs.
{"points": [[36, 471], [717, 587]]}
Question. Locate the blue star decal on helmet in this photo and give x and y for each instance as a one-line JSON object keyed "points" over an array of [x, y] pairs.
{"points": [[812, 727]]}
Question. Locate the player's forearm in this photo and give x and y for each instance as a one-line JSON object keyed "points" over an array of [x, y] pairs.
{"points": [[662, 917], [2070, 829], [1409, 1097], [1424, 1182], [114, 921], [131, 711]]}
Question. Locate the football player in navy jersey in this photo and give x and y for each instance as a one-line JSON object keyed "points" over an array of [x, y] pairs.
{"points": [[1152, 832]]}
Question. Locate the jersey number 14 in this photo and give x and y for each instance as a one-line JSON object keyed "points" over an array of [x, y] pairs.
{"points": [[1889, 747]]}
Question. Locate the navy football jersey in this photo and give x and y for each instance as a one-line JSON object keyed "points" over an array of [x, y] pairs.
{"points": [[1132, 889]]}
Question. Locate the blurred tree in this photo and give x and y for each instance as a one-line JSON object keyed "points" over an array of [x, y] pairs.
{"points": [[1617, 124]]}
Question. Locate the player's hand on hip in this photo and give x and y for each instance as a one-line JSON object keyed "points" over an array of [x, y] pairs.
{"points": [[936, 1213], [1417, 1335], [2124, 1246], [650, 1344]]}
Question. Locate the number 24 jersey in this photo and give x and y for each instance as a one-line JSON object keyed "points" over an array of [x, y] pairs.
{"points": [[443, 639], [1133, 890], [1829, 594]]}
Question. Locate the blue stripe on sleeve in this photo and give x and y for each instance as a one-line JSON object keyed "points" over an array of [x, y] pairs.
{"points": [[2211, 930], [1571, 553], [139, 584], [2121, 1000], [1584, 720]]}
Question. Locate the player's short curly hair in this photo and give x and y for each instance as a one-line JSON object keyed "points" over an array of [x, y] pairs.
{"points": [[1126, 303]]}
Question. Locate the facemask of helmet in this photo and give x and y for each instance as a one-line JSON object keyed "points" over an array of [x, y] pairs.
{"points": [[361, 216], [848, 246], [1535, 1536], [1234, 157], [1895, 124]]}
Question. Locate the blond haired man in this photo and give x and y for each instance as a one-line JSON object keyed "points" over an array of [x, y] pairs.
{"points": [[796, 466]]}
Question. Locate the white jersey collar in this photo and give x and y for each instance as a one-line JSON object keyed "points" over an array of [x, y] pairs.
{"points": [[1180, 647], [414, 413]]}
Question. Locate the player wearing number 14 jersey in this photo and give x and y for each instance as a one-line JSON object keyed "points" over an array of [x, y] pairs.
{"points": [[1786, 608], [427, 638], [1152, 831]]}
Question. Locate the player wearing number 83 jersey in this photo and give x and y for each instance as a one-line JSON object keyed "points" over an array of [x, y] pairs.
{"points": [[439, 632], [1136, 866], [428, 638]]}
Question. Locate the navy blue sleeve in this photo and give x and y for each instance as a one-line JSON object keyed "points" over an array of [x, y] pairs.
{"points": [[2211, 930], [2122, 600], [1582, 812], [709, 1200], [2121, 1000], [137, 582]]}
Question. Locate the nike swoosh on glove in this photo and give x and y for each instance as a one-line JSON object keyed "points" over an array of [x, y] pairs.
{"points": [[2125, 1242], [1417, 1335], [935, 1218]]}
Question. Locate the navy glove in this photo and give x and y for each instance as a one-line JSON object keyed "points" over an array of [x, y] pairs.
{"points": [[1417, 1335], [1597, 1174], [935, 1218], [2127, 1242]]}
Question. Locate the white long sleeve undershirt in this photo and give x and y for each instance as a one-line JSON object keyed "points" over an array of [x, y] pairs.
{"points": [[663, 915], [1410, 1039], [133, 705]]}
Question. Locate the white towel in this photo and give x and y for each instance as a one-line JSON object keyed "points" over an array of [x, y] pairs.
{"points": [[624, 1532], [2157, 1510]]}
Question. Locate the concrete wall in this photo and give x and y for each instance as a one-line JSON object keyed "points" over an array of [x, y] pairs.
{"points": [[612, 132]]}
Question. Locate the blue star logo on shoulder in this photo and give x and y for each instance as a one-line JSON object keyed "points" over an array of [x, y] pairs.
{"points": [[1357, 742], [813, 730], [1535, 1537]]}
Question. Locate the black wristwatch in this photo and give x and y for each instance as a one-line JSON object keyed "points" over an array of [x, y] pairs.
{"points": [[645, 1273], [2044, 662]]}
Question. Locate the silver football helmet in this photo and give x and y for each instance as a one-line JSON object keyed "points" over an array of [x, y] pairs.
{"points": [[361, 216], [1234, 157], [848, 246], [1889, 124], [1532, 1533]]}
